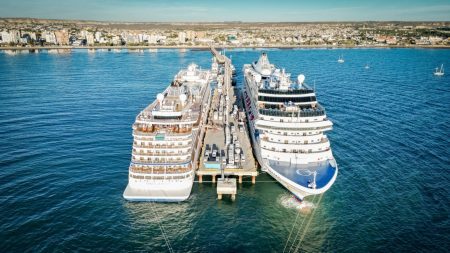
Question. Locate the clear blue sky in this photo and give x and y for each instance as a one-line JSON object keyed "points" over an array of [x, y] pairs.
{"points": [[230, 10]]}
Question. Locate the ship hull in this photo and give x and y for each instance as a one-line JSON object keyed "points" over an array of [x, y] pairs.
{"points": [[160, 191]]}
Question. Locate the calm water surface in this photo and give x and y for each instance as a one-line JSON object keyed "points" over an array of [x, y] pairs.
{"points": [[65, 144]]}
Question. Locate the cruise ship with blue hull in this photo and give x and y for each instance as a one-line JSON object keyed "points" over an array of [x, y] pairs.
{"points": [[287, 126]]}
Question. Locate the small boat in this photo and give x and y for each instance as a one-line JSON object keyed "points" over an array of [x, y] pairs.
{"points": [[439, 72], [341, 59], [367, 66]]}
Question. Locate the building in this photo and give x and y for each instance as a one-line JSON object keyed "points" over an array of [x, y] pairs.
{"points": [[5, 38], [182, 37], [62, 37], [49, 37], [90, 39], [98, 36]]}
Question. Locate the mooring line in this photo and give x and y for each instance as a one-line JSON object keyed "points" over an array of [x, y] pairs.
{"points": [[307, 225], [300, 228], [162, 230], [292, 229]]}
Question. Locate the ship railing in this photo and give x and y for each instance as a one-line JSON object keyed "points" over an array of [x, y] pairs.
{"points": [[160, 161], [302, 113], [284, 92], [160, 170], [185, 117], [160, 176], [163, 146], [298, 151], [152, 129], [159, 154], [137, 132], [322, 140]]}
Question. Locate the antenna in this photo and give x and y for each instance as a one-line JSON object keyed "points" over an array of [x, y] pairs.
{"points": [[314, 182]]}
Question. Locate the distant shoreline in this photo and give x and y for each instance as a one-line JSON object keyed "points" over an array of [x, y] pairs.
{"points": [[227, 47]]}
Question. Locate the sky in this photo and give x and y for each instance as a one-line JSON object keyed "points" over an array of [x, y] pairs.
{"points": [[229, 10]]}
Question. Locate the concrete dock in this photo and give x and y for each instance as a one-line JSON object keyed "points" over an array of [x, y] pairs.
{"points": [[226, 145], [226, 186]]}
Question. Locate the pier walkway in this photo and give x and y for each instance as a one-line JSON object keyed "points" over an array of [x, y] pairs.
{"points": [[226, 145]]}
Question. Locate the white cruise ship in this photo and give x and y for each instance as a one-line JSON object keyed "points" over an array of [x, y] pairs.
{"points": [[287, 127], [167, 138]]}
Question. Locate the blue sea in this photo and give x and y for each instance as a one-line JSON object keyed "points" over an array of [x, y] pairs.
{"points": [[65, 147]]}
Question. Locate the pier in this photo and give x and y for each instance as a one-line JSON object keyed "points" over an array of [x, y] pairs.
{"points": [[226, 146]]}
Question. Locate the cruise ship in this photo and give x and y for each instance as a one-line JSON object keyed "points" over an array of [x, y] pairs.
{"points": [[287, 126], [167, 136]]}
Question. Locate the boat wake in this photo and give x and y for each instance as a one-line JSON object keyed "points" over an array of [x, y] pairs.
{"points": [[289, 201]]}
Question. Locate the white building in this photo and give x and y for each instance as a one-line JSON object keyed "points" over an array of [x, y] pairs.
{"points": [[83, 34], [90, 39], [14, 36], [98, 35], [152, 39], [49, 37], [116, 40], [182, 37], [6, 38]]}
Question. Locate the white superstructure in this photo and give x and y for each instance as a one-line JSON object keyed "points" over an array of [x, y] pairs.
{"points": [[287, 127], [166, 139]]}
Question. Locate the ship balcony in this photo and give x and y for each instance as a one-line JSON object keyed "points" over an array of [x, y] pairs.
{"points": [[296, 150], [160, 177], [303, 147], [162, 161], [294, 137], [281, 129], [304, 120], [319, 111], [148, 153], [269, 123], [305, 90], [144, 128], [140, 133], [295, 141], [169, 140], [160, 170], [162, 146]]}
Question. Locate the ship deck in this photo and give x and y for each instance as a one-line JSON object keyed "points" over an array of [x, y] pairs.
{"points": [[157, 195], [173, 105], [302, 174]]}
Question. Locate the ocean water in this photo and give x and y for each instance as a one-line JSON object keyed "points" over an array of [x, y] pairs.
{"points": [[65, 146]]}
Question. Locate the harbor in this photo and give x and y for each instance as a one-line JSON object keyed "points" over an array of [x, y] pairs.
{"points": [[226, 150], [73, 171]]}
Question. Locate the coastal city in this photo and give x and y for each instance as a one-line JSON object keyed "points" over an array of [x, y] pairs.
{"points": [[18, 33]]}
